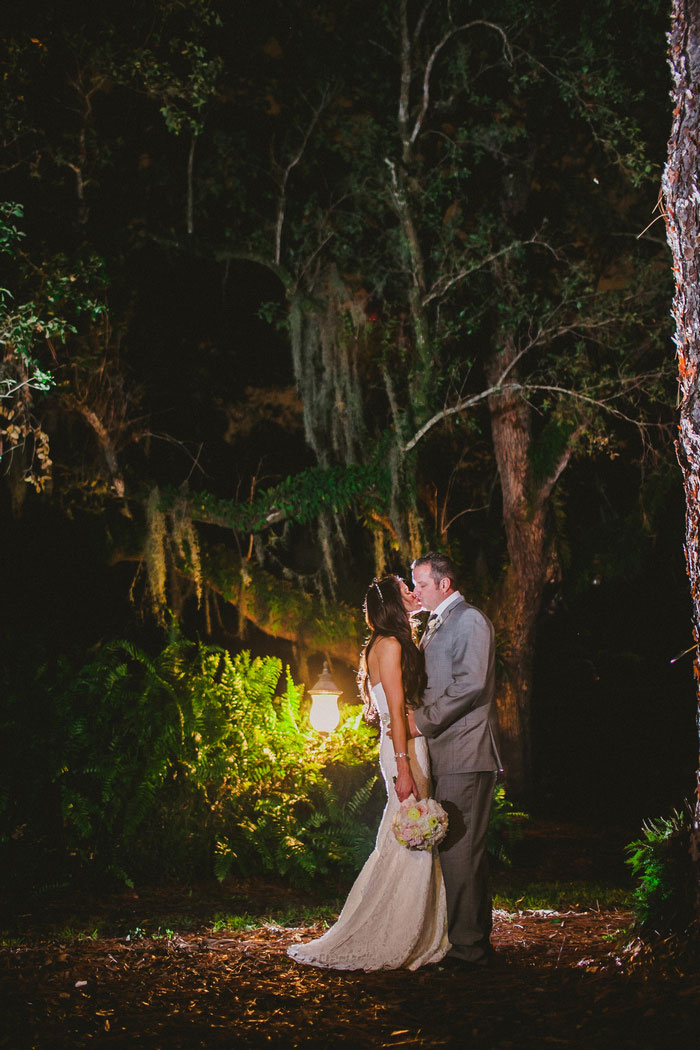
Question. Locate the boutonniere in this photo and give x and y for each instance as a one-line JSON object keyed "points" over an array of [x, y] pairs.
{"points": [[433, 624]]}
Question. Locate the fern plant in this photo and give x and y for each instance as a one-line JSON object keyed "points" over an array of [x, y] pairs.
{"points": [[321, 836], [150, 760], [660, 861], [505, 826], [185, 763]]}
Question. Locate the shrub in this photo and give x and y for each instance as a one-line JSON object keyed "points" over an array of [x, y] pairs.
{"points": [[182, 765], [173, 766], [505, 826], [660, 860]]}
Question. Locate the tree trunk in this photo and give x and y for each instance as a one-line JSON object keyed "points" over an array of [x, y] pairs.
{"points": [[190, 184], [520, 592], [681, 189]]}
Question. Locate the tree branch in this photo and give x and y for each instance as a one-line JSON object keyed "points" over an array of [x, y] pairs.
{"points": [[503, 389], [281, 272], [190, 184], [545, 489], [442, 285], [281, 208], [431, 62], [452, 410], [105, 442]]}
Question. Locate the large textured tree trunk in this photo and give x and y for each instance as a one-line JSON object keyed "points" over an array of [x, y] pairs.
{"points": [[681, 188], [519, 596]]}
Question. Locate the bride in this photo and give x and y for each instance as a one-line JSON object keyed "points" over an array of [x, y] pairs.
{"points": [[395, 915]]}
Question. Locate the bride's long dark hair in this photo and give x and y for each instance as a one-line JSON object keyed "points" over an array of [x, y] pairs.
{"points": [[387, 618]]}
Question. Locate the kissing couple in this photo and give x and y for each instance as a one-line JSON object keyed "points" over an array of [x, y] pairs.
{"points": [[439, 737]]}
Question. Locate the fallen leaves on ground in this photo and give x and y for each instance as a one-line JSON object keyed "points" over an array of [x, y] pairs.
{"points": [[562, 979]]}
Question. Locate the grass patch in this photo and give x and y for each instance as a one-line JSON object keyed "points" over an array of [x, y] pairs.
{"points": [[10, 942], [558, 896], [289, 915], [234, 923], [160, 916]]}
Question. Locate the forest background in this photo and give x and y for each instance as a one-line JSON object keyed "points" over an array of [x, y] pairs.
{"points": [[292, 295]]}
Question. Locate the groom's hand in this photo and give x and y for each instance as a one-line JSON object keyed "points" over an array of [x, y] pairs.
{"points": [[412, 727]]}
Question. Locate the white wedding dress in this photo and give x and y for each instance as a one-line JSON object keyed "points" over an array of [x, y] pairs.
{"points": [[395, 914]]}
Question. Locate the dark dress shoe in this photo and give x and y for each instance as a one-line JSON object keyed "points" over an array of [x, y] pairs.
{"points": [[453, 962]]}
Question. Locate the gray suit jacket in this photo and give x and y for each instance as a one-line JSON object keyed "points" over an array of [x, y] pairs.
{"points": [[458, 714]]}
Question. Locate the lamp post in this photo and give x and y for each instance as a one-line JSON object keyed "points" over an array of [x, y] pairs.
{"points": [[324, 714]]}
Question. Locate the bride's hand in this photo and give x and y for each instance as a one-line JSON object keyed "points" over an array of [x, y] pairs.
{"points": [[404, 783]]}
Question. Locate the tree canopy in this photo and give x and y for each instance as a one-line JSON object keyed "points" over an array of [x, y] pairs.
{"points": [[325, 286]]}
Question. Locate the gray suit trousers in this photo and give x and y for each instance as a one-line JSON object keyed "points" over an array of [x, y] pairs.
{"points": [[467, 798]]}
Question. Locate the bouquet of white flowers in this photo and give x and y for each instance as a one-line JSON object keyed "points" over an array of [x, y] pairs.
{"points": [[419, 825]]}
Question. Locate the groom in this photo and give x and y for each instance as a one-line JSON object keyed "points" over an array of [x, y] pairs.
{"points": [[458, 717]]}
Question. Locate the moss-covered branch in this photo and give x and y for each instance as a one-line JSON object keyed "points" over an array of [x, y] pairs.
{"points": [[281, 610], [300, 498]]}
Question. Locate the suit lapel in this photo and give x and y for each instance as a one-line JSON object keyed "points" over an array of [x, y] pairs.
{"points": [[444, 617]]}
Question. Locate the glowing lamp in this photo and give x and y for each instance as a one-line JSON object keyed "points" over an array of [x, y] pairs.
{"points": [[324, 714]]}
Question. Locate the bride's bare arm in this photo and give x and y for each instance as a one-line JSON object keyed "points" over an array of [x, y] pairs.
{"points": [[388, 657]]}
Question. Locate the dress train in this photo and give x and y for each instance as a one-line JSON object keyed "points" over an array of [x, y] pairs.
{"points": [[395, 915]]}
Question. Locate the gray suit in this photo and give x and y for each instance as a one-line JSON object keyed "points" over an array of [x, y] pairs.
{"points": [[458, 717]]}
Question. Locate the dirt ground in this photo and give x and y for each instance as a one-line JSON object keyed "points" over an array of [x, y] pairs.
{"points": [[569, 978]]}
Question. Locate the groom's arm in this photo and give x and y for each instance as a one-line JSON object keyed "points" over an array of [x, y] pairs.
{"points": [[471, 658]]}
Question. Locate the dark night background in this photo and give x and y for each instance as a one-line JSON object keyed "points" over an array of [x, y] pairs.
{"points": [[191, 366]]}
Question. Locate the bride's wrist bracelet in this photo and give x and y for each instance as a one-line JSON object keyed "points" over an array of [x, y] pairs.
{"points": [[400, 754]]}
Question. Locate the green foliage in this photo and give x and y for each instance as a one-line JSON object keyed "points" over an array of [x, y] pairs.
{"points": [[60, 286], [183, 75], [486, 229], [665, 897], [505, 826], [276, 605], [22, 326], [319, 835], [551, 444], [10, 235], [300, 498], [507, 229], [185, 763], [50, 294], [512, 894]]}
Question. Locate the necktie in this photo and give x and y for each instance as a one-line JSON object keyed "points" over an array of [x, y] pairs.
{"points": [[433, 624]]}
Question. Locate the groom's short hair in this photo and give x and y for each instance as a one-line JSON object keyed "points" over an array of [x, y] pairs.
{"points": [[440, 567]]}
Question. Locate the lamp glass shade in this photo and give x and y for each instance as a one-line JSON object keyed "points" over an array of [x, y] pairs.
{"points": [[324, 714]]}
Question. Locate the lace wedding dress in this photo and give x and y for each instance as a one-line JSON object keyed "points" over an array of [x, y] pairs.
{"points": [[395, 915]]}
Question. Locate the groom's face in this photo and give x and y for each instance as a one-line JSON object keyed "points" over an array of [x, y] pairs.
{"points": [[429, 592]]}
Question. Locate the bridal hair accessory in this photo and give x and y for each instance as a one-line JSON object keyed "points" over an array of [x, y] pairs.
{"points": [[419, 825], [375, 584]]}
